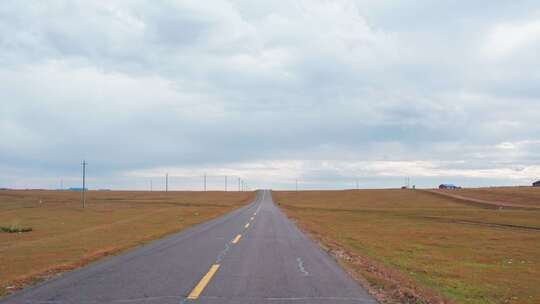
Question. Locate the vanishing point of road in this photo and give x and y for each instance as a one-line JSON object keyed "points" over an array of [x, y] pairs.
{"points": [[251, 255]]}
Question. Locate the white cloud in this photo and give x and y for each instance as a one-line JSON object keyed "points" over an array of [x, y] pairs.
{"points": [[506, 146], [329, 173], [508, 38], [270, 90]]}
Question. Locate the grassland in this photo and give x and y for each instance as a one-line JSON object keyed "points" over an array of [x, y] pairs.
{"points": [[412, 246], [65, 236], [525, 197]]}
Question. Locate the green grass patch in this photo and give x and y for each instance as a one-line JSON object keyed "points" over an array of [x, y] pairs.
{"points": [[15, 229]]}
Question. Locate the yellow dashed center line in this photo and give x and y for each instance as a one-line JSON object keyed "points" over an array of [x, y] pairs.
{"points": [[246, 225], [236, 239], [203, 282]]}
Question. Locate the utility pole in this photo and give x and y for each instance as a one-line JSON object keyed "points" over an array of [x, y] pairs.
{"points": [[225, 183], [357, 184], [296, 182], [205, 182], [83, 192], [239, 181], [166, 182], [61, 184], [150, 185]]}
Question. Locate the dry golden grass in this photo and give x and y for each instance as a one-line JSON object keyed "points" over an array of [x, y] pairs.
{"points": [[527, 197], [419, 246], [65, 236]]}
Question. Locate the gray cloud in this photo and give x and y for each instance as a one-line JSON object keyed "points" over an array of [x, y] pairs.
{"points": [[140, 86]]}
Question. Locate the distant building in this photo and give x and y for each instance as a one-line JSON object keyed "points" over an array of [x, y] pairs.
{"points": [[448, 186], [536, 184]]}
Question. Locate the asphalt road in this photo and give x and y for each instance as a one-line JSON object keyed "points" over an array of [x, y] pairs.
{"points": [[251, 255]]}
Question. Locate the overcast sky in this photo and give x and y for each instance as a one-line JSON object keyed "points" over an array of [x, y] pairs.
{"points": [[326, 92]]}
